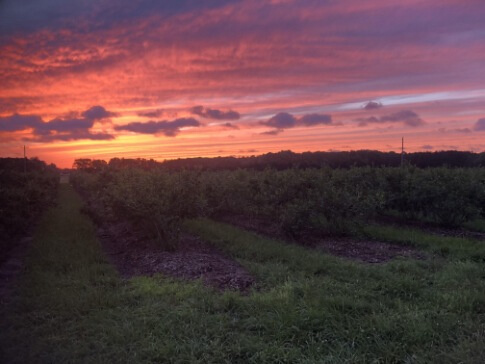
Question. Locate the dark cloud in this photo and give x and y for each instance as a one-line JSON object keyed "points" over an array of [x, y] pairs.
{"points": [[70, 136], [407, 117], [58, 129], [479, 125], [230, 125], [372, 105], [97, 113], [462, 130], [152, 113], [457, 130], [365, 121], [282, 120], [316, 119], [272, 132], [18, 122], [427, 147], [198, 110], [169, 128], [63, 126], [67, 130], [215, 114]]}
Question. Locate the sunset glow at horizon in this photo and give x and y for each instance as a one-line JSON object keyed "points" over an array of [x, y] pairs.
{"points": [[176, 79]]}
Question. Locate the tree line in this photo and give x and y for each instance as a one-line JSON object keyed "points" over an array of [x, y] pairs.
{"points": [[288, 159]]}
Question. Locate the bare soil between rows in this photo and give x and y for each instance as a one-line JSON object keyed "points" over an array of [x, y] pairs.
{"points": [[363, 250], [134, 255]]}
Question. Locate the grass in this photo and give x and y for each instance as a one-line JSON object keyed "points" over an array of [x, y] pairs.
{"points": [[451, 247], [308, 307], [476, 225]]}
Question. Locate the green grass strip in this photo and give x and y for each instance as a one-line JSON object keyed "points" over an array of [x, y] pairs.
{"points": [[449, 247]]}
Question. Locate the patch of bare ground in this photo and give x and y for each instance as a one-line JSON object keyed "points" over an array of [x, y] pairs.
{"points": [[11, 267], [135, 255], [368, 251]]}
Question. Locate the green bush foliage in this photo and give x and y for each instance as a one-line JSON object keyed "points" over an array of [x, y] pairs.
{"points": [[448, 197], [23, 195], [320, 201], [153, 201]]}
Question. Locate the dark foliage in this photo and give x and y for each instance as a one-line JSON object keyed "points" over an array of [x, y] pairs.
{"points": [[27, 186], [155, 202], [287, 159], [316, 202]]}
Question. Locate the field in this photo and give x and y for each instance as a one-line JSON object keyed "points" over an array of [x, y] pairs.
{"points": [[382, 265]]}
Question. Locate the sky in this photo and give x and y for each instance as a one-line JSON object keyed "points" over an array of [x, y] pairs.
{"points": [[189, 78]]}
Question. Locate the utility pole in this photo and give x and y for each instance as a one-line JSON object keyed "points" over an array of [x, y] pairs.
{"points": [[402, 152], [25, 161]]}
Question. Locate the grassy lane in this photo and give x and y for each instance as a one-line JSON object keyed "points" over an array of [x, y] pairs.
{"points": [[309, 308]]}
